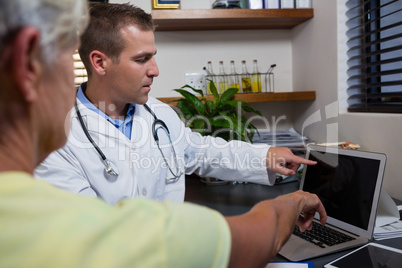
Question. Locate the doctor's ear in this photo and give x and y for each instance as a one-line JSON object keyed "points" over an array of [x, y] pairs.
{"points": [[98, 61], [25, 61]]}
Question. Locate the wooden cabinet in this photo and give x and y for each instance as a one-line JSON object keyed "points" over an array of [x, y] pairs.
{"points": [[229, 19]]}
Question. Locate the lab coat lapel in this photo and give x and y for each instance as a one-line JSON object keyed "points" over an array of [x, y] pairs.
{"points": [[102, 131], [141, 133]]}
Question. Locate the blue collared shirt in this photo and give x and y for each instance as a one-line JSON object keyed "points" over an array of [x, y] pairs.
{"points": [[124, 126]]}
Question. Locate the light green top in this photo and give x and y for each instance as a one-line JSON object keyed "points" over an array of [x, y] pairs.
{"points": [[41, 226]]}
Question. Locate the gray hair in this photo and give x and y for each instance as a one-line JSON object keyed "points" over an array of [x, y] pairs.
{"points": [[59, 21]]}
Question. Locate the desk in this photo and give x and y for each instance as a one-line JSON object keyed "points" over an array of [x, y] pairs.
{"points": [[235, 199], [232, 199]]}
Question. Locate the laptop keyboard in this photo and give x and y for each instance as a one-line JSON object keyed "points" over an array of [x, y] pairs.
{"points": [[322, 236]]}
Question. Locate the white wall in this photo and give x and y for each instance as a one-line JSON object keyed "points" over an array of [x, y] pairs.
{"points": [[314, 53], [144, 4], [309, 57], [319, 63], [181, 52]]}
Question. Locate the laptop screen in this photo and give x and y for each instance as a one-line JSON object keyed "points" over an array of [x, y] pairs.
{"points": [[345, 184]]}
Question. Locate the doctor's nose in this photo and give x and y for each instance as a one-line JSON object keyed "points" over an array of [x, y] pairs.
{"points": [[153, 69]]}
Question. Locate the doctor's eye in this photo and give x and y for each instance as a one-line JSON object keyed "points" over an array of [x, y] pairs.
{"points": [[143, 59]]}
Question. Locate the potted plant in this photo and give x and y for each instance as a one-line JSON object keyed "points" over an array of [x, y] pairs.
{"points": [[222, 117]]}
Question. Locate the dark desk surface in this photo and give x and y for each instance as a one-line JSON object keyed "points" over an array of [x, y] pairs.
{"points": [[234, 199]]}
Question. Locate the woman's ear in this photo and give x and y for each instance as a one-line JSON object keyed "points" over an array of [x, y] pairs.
{"points": [[98, 61], [26, 63]]}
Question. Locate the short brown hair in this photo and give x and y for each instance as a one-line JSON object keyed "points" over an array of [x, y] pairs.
{"points": [[103, 32]]}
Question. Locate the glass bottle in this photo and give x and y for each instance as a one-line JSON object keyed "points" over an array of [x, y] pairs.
{"points": [[223, 83], [243, 4], [245, 78], [210, 77], [255, 78], [233, 79]]}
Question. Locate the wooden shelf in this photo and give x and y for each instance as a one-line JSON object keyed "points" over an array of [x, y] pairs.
{"points": [[263, 97], [229, 19]]}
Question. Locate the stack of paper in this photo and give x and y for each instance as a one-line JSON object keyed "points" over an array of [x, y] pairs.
{"points": [[388, 231], [287, 138], [391, 230]]}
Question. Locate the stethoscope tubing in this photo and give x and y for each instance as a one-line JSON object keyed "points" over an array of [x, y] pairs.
{"points": [[87, 133], [109, 169]]}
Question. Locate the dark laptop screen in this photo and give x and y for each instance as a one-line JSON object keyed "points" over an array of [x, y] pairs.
{"points": [[345, 185]]}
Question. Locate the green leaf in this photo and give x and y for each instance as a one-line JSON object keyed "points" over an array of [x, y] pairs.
{"points": [[237, 126], [229, 93], [252, 131], [235, 103], [169, 102], [232, 106], [248, 108], [199, 91], [214, 91], [223, 114], [210, 107], [182, 104], [199, 125], [197, 104], [220, 122]]}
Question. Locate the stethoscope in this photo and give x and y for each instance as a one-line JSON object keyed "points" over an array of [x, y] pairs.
{"points": [[157, 125]]}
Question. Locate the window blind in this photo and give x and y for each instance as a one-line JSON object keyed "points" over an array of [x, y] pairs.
{"points": [[79, 70], [375, 56]]}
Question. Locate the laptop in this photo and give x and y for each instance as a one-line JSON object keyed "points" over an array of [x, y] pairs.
{"points": [[348, 183]]}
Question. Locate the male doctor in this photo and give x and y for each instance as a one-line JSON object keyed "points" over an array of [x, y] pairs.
{"points": [[125, 144]]}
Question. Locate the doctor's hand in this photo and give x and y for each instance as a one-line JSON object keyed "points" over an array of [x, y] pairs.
{"points": [[283, 161]]}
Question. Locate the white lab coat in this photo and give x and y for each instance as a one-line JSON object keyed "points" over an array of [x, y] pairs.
{"points": [[78, 168]]}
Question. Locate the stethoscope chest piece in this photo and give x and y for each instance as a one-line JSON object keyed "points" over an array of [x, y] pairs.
{"points": [[111, 171]]}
